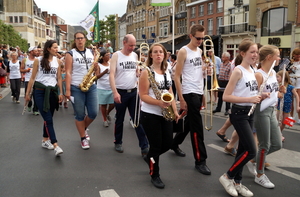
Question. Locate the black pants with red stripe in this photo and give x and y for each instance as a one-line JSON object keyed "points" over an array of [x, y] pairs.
{"points": [[243, 125], [193, 124], [159, 132]]}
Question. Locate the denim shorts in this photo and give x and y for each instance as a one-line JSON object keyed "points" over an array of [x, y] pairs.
{"points": [[85, 101]]}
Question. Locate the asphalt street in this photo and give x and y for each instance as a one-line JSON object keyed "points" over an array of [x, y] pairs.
{"points": [[28, 170]]}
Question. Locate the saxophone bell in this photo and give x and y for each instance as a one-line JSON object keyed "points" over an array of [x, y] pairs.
{"points": [[167, 97]]}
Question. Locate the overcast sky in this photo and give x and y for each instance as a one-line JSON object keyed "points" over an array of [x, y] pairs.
{"points": [[73, 11]]}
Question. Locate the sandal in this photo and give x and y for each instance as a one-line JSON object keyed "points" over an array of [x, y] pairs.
{"points": [[223, 137]]}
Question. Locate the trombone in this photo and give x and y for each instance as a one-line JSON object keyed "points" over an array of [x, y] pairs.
{"points": [[144, 49], [214, 82]]}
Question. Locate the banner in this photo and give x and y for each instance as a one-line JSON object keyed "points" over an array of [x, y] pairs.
{"points": [[91, 24], [161, 2]]}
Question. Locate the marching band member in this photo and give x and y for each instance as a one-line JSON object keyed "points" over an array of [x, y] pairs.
{"points": [[45, 77], [122, 77], [159, 131], [265, 122], [190, 93], [78, 62], [242, 90]]}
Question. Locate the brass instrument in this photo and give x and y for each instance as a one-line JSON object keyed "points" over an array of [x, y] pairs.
{"points": [[145, 48], [167, 97], [90, 77], [214, 81]]}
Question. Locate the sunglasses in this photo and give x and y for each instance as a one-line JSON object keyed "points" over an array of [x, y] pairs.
{"points": [[199, 38], [80, 38]]}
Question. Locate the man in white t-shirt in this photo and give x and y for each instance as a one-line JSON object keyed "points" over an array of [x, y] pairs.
{"points": [[190, 92], [123, 81]]}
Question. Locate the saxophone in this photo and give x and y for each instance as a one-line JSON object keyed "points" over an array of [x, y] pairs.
{"points": [[90, 77], [167, 97]]}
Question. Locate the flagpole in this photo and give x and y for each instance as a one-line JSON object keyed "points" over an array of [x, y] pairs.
{"points": [[173, 26]]}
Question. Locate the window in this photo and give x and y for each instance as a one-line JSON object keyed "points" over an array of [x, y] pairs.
{"points": [[201, 10], [210, 8], [219, 23], [193, 12], [193, 23], [182, 6], [11, 19], [274, 23], [246, 14], [210, 26], [220, 6], [21, 19], [201, 22]]}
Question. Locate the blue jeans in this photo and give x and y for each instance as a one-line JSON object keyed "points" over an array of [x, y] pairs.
{"points": [[243, 124], [85, 100], [128, 100], [48, 129]]}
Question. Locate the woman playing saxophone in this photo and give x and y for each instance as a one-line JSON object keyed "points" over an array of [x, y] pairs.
{"points": [[79, 65], [158, 129]]}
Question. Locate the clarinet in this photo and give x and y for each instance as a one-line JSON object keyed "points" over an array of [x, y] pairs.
{"points": [[262, 87], [282, 99]]}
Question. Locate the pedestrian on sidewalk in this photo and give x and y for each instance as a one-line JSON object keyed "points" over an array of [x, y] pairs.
{"points": [[46, 81], [242, 90], [14, 74]]}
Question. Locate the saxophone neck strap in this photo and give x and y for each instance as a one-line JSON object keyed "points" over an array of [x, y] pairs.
{"points": [[165, 78], [82, 53]]}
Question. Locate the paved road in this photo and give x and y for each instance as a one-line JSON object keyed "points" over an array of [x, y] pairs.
{"points": [[29, 170]]}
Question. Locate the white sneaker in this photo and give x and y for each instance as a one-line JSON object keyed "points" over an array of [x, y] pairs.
{"points": [[87, 135], [108, 118], [228, 185], [298, 121], [252, 168], [243, 190], [58, 151], [85, 144], [105, 124], [47, 144], [131, 123], [264, 181]]}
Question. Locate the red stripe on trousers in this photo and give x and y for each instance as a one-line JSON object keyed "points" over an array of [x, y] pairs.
{"points": [[151, 166], [196, 146], [261, 156], [238, 162], [45, 124]]}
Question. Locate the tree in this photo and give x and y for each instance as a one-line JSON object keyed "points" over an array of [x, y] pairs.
{"points": [[108, 29], [9, 36]]}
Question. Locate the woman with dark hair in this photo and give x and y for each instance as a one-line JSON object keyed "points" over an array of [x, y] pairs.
{"points": [[78, 62], [105, 95], [45, 80], [159, 131]]}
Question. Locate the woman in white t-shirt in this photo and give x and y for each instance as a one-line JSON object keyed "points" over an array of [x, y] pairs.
{"points": [[13, 69], [105, 95], [242, 91], [159, 131]]}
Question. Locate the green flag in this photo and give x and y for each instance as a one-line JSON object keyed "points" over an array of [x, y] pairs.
{"points": [[91, 24], [161, 2]]}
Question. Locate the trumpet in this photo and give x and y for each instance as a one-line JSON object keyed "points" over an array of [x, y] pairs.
{"points": [[144, 48], [214, 82]]}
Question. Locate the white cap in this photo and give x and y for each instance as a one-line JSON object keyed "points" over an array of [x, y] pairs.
{"points": [[31, 49]]}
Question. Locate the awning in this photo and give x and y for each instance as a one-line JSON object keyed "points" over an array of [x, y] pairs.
{"points": [[169, 39]]}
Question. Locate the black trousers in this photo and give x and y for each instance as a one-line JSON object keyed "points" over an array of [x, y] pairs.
{"points": [[159, 132], [222, 84], [243, 124], [193, 125]]}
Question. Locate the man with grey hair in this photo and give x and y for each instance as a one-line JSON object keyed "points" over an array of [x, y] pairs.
{"points": [[123, 82], [223, 79]]}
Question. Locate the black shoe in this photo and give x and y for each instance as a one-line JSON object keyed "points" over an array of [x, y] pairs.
{"points": [[226, 113], [215, 111], [202, 168], [179, 152], [156, 181]]}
